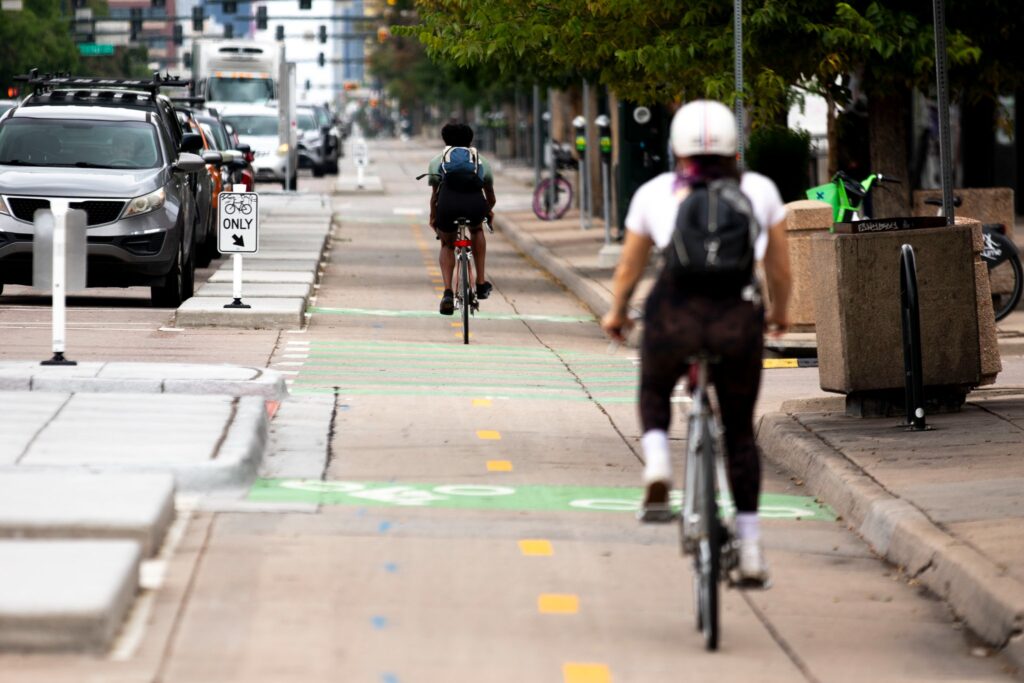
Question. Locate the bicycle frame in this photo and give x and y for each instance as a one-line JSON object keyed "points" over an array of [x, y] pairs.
{"points": [[845, 194], [462, 281]]}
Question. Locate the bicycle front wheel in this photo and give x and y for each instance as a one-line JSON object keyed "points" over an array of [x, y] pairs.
{"points": [[467, 296], [550, 205], [1005, 280], [709, 551]]}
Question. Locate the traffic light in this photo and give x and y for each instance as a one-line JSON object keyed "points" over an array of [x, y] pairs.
{"points": [[351, 85], [382, 34], [305, 4], [186, 59], [230, 6], [197, 19], [279, 33], [229, 30], [261, 17], [179, 34], [321, 59], [322, 34], [309, 84], [12, 92], [136, 23]]}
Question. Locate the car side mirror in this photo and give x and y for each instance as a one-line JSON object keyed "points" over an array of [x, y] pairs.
{"points": [[230, 156], [243, 148], [189, 163], [191, 142], [213, 157]]}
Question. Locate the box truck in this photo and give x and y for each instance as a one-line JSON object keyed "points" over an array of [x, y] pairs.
{"points": [[236, 70]]}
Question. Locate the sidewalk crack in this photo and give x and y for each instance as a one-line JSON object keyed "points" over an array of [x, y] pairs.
{"points": [[331, 427], [39, 432], [227, 428], [575, 376]]}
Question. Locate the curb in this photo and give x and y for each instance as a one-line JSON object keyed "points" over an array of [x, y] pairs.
{"points": [[989, 601], [594, 296]]}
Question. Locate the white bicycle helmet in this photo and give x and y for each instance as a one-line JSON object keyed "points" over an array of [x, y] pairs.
{"points": [[704, 127]]}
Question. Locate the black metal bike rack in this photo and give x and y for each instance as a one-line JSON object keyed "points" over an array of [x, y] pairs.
{"points": [[911, 316]]}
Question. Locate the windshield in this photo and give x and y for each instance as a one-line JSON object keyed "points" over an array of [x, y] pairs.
{"points": [[86, 144], [306, 120], [322, 118], [239, 89], [253, 125], [217, 134]]}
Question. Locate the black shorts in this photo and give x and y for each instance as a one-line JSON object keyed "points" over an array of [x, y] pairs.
{"points": [[452, 205]]}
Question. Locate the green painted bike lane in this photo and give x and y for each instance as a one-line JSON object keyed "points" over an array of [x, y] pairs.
{"points": [[486, 497]]}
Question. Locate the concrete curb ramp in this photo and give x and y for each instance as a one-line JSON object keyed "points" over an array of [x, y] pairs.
{"points": [[989, 601], [156, 378], [65, 595], [207, 442]]}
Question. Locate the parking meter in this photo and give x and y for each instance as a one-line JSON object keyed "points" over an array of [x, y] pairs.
{"points": [[579, 125], [604, 131], [643, 136]]}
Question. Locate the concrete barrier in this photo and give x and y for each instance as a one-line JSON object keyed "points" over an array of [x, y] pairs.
{"points": [[858, 320], [804, 219]]}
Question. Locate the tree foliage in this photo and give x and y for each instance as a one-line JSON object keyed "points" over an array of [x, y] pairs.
{"points": [[36, 36], [665, 50]]}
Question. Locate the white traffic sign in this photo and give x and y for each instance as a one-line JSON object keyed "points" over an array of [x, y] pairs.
{"points": [[361, 153], [238, 223]]}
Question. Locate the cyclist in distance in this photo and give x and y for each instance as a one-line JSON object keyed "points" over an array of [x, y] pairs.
{"points": [[682, 319], [462, 187]]}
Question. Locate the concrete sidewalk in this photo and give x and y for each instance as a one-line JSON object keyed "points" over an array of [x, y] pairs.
{"points": [[946, 506]]}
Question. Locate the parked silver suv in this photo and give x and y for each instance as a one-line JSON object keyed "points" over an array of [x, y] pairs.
{"points": [[116, 150]]}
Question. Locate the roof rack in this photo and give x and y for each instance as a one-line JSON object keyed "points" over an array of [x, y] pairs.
{"points": [[191, 101], [46, 82]]}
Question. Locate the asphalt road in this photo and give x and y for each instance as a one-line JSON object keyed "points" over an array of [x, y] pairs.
{"points": [[475, 519]]}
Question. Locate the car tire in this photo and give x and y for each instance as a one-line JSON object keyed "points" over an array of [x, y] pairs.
{"points": [[333, 168], [318, 171], [178, 284]]}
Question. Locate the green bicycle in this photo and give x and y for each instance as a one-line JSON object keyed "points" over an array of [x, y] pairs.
{"points": [[847, 194]]}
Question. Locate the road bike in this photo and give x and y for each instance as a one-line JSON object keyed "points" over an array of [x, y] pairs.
{"points": [[1006, 280], [552, 202], [465, 292]]}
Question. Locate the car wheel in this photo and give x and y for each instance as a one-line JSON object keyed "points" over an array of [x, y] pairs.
{"points": [[318, 171], [333, 168], [178, 284]]}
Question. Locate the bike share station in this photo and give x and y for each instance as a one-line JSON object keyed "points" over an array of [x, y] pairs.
{"points": [[913, 283]]}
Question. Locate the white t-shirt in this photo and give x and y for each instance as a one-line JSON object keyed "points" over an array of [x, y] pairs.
{"points": [[652, 212]]}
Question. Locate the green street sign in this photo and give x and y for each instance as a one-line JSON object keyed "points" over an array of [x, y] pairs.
{"points": [[95, 49]]}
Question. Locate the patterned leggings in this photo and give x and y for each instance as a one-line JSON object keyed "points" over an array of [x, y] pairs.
{"points": [[677, 327]]}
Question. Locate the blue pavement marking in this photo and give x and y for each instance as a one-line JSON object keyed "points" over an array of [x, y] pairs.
{"points": [[391, 567], [384, 526], [379, 622]]}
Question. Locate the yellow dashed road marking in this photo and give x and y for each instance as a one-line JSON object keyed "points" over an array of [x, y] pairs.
{"points": [[576, 672], [536, 547], [554, 603], [499, 466], [770, 363], [481, 403], [488, 435]]}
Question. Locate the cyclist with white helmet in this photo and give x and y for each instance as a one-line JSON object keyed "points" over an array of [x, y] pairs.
{"points": [[681, 320]]}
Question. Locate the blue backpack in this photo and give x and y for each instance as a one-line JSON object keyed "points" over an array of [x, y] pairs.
{"points": [[461, 169]]}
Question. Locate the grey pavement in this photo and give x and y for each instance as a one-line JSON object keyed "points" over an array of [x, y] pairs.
{"points": [[65, 595], [61, 504], [207, 442], [169, 378], [945, 506]]}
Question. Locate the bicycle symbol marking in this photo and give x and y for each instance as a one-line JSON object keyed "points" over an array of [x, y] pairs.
{"points": [[236, 203]]}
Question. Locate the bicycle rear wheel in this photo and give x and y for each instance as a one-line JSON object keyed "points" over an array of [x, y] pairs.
{"points": [[467, 296], [550, 208], [709, 551], [1005, 279]]}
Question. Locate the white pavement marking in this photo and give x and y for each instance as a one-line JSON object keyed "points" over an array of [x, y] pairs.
{"points": [[407, 211], [172, 329], [290, 364], [295, 355]]}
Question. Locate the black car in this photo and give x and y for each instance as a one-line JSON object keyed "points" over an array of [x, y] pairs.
{"points": [[116, 150]]}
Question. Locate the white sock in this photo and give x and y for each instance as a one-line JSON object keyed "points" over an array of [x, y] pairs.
{"points": [[657, 461], [748, 526]]}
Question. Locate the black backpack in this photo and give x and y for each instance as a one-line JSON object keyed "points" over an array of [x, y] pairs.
{"points": [[712, 248]]}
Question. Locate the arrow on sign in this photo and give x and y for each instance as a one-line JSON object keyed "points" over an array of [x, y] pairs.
{"points": [[238, 240]]}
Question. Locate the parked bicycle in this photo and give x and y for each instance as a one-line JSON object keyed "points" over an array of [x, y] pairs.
{"points": [[848, 196], [552, 201], [1000, 255]]}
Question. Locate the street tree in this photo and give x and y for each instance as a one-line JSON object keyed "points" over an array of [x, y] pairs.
{"points": [[36, 36]]}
